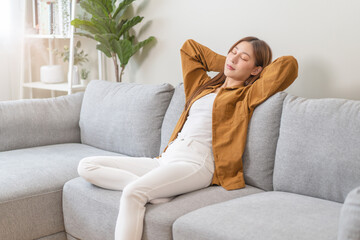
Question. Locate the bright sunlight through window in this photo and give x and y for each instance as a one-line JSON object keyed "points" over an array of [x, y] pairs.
{"points": [[5, 17]]}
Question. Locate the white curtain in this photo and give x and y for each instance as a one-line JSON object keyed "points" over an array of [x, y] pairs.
{"points": [[11, 38]]}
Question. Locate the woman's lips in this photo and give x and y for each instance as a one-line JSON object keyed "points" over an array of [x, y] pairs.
{"points": [[229, 67]]}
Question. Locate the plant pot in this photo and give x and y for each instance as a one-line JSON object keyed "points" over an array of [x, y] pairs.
{"points": [[51, 74], [84, 82]]}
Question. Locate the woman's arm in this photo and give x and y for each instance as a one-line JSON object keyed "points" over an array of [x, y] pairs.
{"points": [[276, 77], [196, 60]]}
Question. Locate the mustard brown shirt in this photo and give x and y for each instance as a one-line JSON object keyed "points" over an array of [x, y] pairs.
{"points": [[232, 108]]}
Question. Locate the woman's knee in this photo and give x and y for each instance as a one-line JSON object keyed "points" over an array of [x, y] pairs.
{"points": [[86, 165], [133, 192]]}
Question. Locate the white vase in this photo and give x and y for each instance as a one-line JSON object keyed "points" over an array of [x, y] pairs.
{"points": [[76, 76]]}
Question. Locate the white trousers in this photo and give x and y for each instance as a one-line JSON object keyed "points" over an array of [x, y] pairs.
{"points": [[187, 165]]}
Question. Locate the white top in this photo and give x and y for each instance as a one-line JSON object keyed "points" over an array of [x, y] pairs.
{"points": [[198, 124]]}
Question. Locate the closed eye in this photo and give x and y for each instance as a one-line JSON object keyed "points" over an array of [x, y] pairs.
{"points": [[244, 57]]}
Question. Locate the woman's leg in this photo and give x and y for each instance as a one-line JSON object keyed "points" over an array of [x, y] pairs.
{"points": [[115, 172], [168, 180]]}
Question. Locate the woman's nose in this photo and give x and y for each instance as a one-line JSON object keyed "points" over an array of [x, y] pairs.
{"points": [[233, 59]]}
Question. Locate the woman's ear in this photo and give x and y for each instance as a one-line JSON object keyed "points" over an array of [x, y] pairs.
{"points": [[256, 70]]}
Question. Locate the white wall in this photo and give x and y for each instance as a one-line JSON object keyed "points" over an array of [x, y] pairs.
{"points": [[11, 33], [324, 36]]}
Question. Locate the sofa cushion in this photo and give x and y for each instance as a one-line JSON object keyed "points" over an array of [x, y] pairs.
{"points": [[318, 151], [56, 236], [90, 212], [349, 226], [37, 122], [124, 117], [31, 182], [172, 115], [263, 133], [263, 216]]}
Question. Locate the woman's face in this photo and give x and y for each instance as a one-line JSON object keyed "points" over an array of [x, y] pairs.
{"points": [[240, 63]]}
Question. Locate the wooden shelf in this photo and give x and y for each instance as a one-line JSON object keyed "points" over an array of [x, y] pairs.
{"points": [[53, 86]]}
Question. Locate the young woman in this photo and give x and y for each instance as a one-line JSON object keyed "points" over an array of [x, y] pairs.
{"points": [[208, 141]]}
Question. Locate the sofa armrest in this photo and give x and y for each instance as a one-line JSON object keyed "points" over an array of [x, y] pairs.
{"points": [[349, 224], [38, 122]]}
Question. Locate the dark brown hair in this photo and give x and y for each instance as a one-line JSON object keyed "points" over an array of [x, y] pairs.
{"points": [[263, 56]]}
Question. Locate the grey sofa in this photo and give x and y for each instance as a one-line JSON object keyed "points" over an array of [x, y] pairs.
{"points": [[301, 166]]}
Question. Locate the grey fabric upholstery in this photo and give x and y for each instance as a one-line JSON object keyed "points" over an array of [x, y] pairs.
{"points": [[69, 237], [38, 122], [31, 182], [124, 117], [263, 133], [349, 226], [90, 212], [172, 115], [318, 151], [263, 216], [56, 236]]}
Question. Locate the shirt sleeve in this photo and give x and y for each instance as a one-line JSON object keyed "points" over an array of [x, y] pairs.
{"points": [[196, 61], [276, 77]]}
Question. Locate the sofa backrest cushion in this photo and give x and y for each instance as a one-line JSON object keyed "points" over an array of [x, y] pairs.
{"points": [[29, 123], [124, 117], [261, 141], [172, 115], [318, 153]]}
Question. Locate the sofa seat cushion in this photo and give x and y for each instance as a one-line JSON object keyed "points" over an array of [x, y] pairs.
{"points": [[90, 212], [263, 216], [31, 182]]}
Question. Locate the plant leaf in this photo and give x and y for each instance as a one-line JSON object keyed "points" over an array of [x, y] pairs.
{"points": [[85, 35], [113, 26], [104, 49], [109, 5], [131, 39], [109, 37], [113, 2], [142, 44], [121, 7], [103, 5], [85, 25], [105, 39], [129, 24], [94, 8], [123, 49], [101, 25], [120, 24]]}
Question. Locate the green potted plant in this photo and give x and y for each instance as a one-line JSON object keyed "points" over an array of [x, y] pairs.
{"points": [[80, 57], [84, 74], [110, 29]]}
